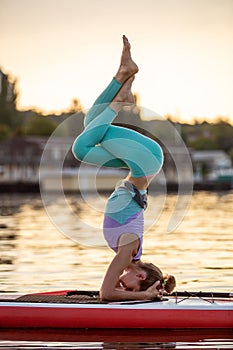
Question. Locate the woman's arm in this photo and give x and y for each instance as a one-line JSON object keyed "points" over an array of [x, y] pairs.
{"points": [[109, 289]]}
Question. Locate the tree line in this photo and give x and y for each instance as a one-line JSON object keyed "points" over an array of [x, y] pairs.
{"points": [[13, 122]]}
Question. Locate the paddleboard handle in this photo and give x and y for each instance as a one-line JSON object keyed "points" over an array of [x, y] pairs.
{"points": [[206, 296]]}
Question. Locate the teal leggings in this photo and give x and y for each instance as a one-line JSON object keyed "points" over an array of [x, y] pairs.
{"points": [[107, 145]]}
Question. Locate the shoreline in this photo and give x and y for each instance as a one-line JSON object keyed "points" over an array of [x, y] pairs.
{"points": [[32, 187]]}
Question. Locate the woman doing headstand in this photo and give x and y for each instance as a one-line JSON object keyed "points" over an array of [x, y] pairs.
{"points": [[104, 144]]}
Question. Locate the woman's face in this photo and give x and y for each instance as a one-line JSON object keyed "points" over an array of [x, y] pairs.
{"points": [[130, 280]]}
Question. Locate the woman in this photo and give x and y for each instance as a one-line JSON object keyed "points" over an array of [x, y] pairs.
{"points": [[104, 144]]}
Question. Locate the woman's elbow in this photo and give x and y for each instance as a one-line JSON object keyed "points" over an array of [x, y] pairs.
{"points": [[105, 295]]}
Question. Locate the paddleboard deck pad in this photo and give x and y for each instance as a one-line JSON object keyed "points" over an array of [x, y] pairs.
{"points": [[84, 309]]}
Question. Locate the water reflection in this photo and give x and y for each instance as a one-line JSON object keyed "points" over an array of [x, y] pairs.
{"points": [[116, 339], [35, 256]]}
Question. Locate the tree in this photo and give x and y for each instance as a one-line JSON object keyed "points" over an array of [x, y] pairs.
{"points": [[223, 135], [8, 99], [76, 106], [4, 131], [40, 125]]}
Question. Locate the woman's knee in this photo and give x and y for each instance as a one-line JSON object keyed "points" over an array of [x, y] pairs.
{"points": [[80, 148], [157, 151], [157, 158]]}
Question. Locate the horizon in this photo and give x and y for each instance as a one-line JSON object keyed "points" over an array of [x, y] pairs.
{"points": [[146, 116]]}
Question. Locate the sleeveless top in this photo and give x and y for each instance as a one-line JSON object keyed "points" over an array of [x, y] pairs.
{"points": [[124, 214]]}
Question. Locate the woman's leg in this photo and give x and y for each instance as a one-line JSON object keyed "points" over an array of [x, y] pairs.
{"points": [[126, 69], [102, 101], [106, 145], [87, 146], [87, 141], [143, 156]]}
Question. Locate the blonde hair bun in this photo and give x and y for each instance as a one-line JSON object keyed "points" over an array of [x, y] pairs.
{"points": [[169, 283]]}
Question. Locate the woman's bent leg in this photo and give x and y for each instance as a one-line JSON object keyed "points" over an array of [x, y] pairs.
{"points": [[118, 147], [102, 101], [87, 146], [143, 156]]}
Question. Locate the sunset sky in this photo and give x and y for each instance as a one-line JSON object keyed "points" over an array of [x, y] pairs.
{"points": [[65, 49]]}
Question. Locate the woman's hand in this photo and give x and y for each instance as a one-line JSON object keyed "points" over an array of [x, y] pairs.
{"points": [[154, 292]]}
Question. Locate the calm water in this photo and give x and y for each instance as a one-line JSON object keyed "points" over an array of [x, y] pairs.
{"points": [[37, 256]]}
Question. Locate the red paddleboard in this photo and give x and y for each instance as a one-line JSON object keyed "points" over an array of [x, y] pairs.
{"points": [[83, 309]]}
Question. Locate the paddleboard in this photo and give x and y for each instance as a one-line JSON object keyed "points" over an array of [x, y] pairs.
{"points": [[83, 309]]}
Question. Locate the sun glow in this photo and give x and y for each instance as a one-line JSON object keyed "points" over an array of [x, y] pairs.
{"points": [[183, 50]]}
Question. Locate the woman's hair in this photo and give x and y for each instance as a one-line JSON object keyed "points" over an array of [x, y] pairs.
{"points": [[155, 274]]}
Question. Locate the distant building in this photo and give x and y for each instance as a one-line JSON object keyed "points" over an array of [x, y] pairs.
{"points": [[211, 165], [24, 159], [20, 157]]}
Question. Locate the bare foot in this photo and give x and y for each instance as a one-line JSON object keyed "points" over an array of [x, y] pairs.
{"points": [[127, 66], [124, 96]]}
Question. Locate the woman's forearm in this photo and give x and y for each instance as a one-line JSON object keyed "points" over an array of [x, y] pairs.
{"points": [[121, 294]]}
